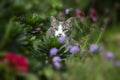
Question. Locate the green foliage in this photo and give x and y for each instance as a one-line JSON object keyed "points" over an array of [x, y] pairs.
{"points": [[23, 24]]}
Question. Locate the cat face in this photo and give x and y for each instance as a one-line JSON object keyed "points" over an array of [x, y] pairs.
{"points": [[61, 28]]}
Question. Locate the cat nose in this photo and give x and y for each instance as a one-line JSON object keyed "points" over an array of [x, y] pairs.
{"points": [[60, 34]]}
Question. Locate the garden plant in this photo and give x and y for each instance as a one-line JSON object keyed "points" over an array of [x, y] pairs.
{"points": [[27, 54]]}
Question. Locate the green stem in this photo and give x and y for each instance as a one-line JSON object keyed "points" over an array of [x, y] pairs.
{"points": [[71, 57], [99, 37], [101, 33], [6, 36], [76, 23], [85, 42]]}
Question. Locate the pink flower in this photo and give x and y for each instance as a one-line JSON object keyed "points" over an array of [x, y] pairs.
{"points": [[80, 14], [93, 14], [18, 61]]}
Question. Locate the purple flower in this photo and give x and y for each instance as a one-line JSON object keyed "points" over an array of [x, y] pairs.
{"points": [[93, 14], [109, 55], [57, 65], [74, 49], [61, 39], [53, 51], [94, 48], [116, 63], [56, 59], [67, 11], [56, 62]]}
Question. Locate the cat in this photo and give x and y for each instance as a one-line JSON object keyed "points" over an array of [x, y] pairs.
{"points": [[61, 29]]}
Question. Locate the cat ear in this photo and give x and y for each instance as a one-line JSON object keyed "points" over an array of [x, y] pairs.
{"points": [[69, 22], [53, 21]]}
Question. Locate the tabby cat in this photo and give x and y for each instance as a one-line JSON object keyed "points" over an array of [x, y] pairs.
{"points": [[61, 29]]}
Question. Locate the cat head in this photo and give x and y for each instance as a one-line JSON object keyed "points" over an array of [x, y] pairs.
{"points": [[61, 28]]}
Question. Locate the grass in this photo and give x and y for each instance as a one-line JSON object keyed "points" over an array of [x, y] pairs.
{"points": [[111, 39]]}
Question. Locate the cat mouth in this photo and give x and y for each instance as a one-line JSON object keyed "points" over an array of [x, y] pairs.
{"points": [[59, 36]]}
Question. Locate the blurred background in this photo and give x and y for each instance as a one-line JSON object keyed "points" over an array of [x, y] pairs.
{"points": [[23, 24]]}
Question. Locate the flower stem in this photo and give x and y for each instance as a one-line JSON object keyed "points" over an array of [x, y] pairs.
{"points": [[6, 35]]}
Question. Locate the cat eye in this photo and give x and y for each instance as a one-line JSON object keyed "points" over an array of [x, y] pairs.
{"points": [[65, 30], [55, 28]]}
